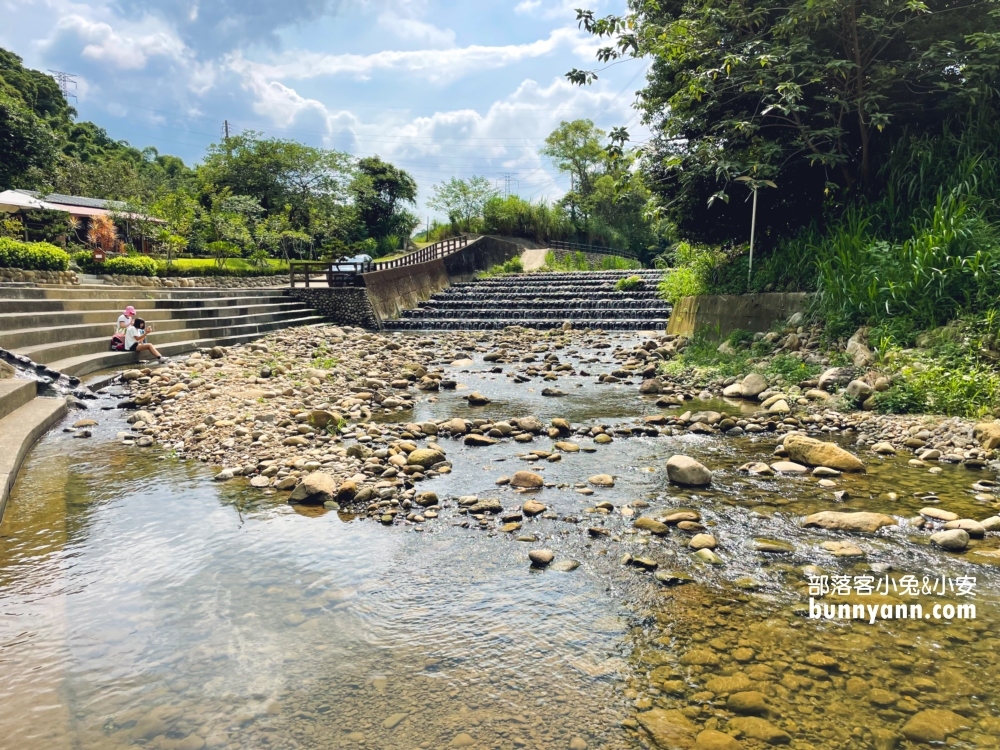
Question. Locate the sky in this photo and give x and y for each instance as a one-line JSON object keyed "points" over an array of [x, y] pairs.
{"points": [[441, 88]]}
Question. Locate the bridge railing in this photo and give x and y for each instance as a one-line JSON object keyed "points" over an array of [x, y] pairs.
{"points": [[595, 249], [431, 252], [333, 272]]}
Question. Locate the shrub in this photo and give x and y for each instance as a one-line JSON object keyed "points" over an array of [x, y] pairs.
{"points": [[514, 265], [32, 256], [692, 272], [84, 260], [629, 284], [186, 271], [130, 265]]}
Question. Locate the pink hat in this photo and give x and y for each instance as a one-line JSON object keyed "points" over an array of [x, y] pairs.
{"points": [[130, 310]]}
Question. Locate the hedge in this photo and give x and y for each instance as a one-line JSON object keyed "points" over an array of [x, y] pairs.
{"points": [[32, 256], [130, 265], [213, 270]]}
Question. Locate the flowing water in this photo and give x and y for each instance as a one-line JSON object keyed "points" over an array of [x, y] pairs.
{"points": [[142, 604]]}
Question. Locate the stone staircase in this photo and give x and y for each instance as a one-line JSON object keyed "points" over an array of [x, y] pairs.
{"points": [[543, 300], [69, 329]]}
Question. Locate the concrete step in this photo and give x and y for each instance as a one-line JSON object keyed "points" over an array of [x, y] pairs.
{"points": [[18, 432], [486, 324], [15, 393], [83, 364], [39, 306], [9, 291], [60, 327], [208, 328]]}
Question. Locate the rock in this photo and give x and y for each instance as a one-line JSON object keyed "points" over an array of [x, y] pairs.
{"points": [[861, 356], [860, 522], [884, 449], [726, 349], [315, 489], [974, 529], [835, 376], [779, 407], [462, 739], [938, 514], [733, 391], [987, 433], [533, 508], [456, 426], [843, 549], [394, 720], [685, 471], [526, 480], [713, 739], [702, 541], [760, 729], [529, 424], [953, 540], [652, 526], [567, 447], [602, 480], [858, 390], [991, 524], [651, 386], [131, 375], [425, 457], [477, 399], [812, 452], [479, 440], [425, 499], [668, 728], [708, 556], [748, 703], [566, 566], [295, 440], [788, 467], [934, 725], [540, 558], [84, 423], [753, 385], [554, 392], [216, 352], [577, 743], [672, 577]]}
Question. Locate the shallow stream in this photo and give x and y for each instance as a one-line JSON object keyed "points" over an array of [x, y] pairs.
{"points": [[143, 604]]}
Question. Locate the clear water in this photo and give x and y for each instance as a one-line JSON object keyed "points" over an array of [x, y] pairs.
{"points": [[142, 604]]}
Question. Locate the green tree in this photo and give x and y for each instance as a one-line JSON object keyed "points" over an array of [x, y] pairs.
{"points": [[381, 193], [811, 94], [462, 200], [29, 146]]}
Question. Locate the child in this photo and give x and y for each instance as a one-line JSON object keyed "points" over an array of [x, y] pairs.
{"points": [[125, 319], [135, 339]]}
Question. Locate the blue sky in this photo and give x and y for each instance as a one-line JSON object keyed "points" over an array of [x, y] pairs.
{"points": [[438, 87]]}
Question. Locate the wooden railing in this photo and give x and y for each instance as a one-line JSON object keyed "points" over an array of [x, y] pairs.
{"points": [[424, 254], [595, 249], [340, 273]]}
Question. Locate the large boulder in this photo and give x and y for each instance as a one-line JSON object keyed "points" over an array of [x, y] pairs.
{"points": [[934, 725], [836, 376], [529, 424], [315, 489], [812, 452], [526, 480], [753, 385], [685, 471], [988, 434], [668, 728], [861, 521]]}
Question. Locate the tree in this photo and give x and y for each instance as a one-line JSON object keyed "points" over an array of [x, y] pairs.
{"points": [[811, 94], [29, 146], [381, 192], [462, 200]]}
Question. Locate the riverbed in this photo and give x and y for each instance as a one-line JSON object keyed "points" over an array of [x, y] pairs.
{"points": [[143, 604]]}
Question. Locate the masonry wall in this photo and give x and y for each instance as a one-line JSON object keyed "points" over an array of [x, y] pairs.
{"points": [[347, 306], [726, 313], [397, 289], [480, 255]]}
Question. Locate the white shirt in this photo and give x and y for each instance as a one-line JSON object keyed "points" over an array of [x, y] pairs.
{"points": [[131, 334], [124, 321]]}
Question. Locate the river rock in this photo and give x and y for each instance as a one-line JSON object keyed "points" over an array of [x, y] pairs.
{"points": [[733, 391], [540, 558], [567, 447], [753, 385], [533, 508], [602, 480], [860, 522], [668, 728], [938, 514], [760, 729], [566, 566], [934, 725], [314, 489], [748, 703], [652, 526], [987, 433], [975, 529], [684, 470], [477, 399], [858, 390], [529, 424], [812, 452], [713, 739], [479, 440], [702, 541], [834, 377], [526, 480], [953, 540], [788, 467], [425, 457]]}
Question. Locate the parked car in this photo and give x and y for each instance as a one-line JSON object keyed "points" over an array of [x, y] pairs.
{"points": [[352, 265]]}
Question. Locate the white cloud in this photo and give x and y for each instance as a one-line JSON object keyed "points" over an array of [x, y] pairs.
{"points": [[124, 50], [527, 6], [415, 30], [434, 65]]}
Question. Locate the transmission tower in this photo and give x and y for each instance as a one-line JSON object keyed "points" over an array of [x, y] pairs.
{"points": [[507, 178], [65, 80]]}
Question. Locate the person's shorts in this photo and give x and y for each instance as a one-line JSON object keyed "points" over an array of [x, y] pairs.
{"points": [[133, 348]]}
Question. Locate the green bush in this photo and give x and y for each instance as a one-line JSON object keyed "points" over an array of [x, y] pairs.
{"points": [[84, 260], [692, 272], [629, 284], [130, 265], [32, 256], [514, 265], [199, 271]]}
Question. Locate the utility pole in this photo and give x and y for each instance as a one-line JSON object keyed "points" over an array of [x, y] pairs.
{"points": [[225, 127], [64, 81]]}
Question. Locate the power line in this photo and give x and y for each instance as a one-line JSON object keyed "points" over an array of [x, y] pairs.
{"points": [[65, 80]]}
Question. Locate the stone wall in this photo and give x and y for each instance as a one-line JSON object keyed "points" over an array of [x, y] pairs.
{"points": [[219, 282], [37, 277], [724, 313], [347, 306], [397, 289], [480, 255]]}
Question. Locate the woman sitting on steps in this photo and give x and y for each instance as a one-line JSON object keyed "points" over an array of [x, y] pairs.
{"points": [[135, 339]]}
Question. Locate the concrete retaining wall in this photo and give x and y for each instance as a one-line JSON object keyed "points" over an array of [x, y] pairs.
{"points": [[725, 313], [397, 289], [480, 255]]}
